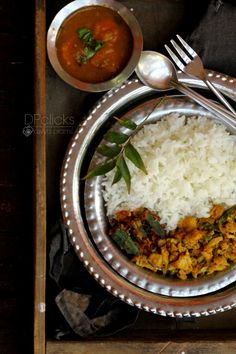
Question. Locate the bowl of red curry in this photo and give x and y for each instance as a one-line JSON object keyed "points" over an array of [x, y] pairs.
{"points": [[94, 45]]}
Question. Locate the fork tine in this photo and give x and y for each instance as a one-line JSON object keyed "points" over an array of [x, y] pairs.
{"points": [[187, 47], [180, 51], [174, 58]]}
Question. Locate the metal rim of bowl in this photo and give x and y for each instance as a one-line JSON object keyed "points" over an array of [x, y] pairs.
{"points": [[75, 6]]}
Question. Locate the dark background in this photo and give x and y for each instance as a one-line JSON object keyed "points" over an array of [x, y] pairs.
{"points": [[16, 236]]}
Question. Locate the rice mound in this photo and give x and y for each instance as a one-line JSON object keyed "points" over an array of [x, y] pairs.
{"points": [[191, 164]]}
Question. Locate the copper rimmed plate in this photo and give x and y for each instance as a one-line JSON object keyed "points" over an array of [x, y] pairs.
{"points": [[76, 161], [97, 221]]}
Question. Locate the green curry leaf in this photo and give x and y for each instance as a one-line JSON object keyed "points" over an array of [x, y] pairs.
{"points": [[84, 34], [125, 242], [156, 226], [89, 53], [227, 214], [91, 45], [133, 155], [117, 176], [122, 165], [101, 169], [121, 149], [115, 137], [109, 151], [127, 123]]}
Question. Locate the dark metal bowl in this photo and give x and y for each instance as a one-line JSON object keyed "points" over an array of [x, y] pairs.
{"points": [[126, 15]]}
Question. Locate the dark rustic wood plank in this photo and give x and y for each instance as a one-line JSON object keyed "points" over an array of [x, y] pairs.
{"points": [[8, 310], [8, 326], [40, 182], [8, 344], [12, 47], [8, 173], [8, 74], [222, 320], [104, 347], [16, 19], [7, 133], [8, 247], [200, 347], [7, 15], [167, 342]]}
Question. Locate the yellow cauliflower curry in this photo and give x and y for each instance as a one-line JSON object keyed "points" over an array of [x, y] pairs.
{"points": [[197, 247]]}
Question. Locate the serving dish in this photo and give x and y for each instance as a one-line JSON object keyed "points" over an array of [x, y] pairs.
{"points": [[70, 10], [95, 213], [72, 199]]}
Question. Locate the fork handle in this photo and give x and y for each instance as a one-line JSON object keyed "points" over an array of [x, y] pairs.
{"points": [[219, 95], [226, 116]]}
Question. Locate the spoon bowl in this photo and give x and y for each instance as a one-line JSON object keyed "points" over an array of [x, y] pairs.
{"points": [[156, 71]]}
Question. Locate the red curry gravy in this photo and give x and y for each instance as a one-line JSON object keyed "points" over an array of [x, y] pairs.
{"points": [[109, 29]]}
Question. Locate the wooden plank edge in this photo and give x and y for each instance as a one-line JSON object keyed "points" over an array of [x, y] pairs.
{"points": [[153, 341], [40, 179]]}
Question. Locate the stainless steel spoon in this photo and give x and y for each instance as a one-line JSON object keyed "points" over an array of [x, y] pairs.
{"points": [[157, 71]]}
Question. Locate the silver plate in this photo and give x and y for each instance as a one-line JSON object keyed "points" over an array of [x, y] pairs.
{"points": [[72, 201], [97, 221]]}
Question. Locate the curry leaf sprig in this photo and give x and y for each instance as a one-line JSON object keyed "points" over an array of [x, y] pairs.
{"points": [[91, 45], [119, 150]]}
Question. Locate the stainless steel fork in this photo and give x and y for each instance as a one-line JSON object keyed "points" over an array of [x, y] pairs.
{"points": [[190, 63]]}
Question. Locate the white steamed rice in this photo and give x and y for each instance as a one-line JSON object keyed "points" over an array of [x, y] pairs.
{"points": [[190, 167]]}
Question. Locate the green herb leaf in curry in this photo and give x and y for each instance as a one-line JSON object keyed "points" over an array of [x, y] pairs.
{"points": [[91, 45]]}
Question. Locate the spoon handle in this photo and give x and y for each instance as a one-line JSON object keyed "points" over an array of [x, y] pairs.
{"points": [[218, 110]]}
